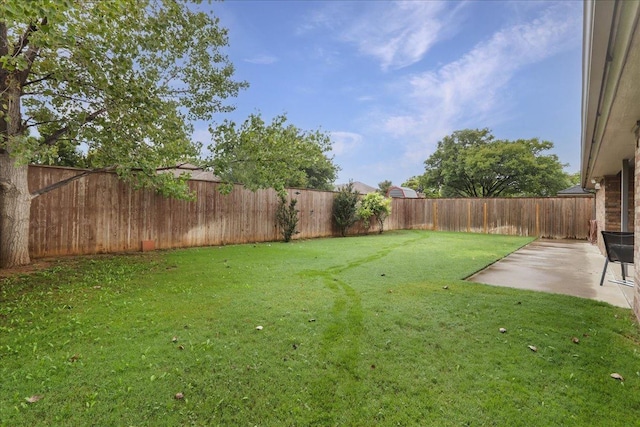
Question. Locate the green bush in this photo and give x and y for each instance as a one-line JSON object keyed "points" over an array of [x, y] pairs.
{"points": [[287, 217], [374, 205], [345, 211]]}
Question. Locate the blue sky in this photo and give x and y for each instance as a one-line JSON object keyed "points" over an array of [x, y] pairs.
{"points": [[388, 80]]}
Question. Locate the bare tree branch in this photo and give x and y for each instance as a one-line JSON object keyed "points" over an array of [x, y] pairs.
{"points": [[24, 40], [26, 124], [55, 136], [31, 53], [37, 80], [69, 180], [82, 174]]}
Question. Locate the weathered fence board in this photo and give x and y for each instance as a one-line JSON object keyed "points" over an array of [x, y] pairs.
{"points": [[99, 213], [552, 217]]}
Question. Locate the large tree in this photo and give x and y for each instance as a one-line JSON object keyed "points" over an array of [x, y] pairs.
{"points": [[276, 155], [472, 163], [121, 78]]}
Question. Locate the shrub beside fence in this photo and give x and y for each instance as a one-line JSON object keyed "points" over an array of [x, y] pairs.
{"points": [[100, 214]]}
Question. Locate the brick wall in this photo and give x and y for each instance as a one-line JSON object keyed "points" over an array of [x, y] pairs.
{"points": [[612, 202], [608, 204]]}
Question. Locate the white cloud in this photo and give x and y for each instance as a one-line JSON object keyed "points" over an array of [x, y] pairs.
{"points": [[399, 34], [262, 59], [399, 126], [344, 142], [320, 18], [475, 88], [365, 98]]}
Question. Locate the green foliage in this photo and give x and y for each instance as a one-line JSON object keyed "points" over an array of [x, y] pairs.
{"points": [[63, 153], [418, 183], [374, 205], [383, 187], [415, 183], [94, 338], [472, 163], [574, 178], [276, 155], [122, 78], [287, 217], [345, 208]]}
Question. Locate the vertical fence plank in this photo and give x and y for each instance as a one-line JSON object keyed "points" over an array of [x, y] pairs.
{"points": [[435, 216], [485, 222]]}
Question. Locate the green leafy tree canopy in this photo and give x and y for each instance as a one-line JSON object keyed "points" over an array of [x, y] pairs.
{"points": [[276, 155], [123, 78], [472, 163]]}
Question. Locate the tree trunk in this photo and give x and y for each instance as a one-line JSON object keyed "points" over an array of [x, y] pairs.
{"points": [[15, 200], [15, 210]]}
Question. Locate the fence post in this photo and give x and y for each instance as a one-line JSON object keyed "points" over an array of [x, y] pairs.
{"points": [[484, 207], [435, 216], [468, 216], [537, 219]]}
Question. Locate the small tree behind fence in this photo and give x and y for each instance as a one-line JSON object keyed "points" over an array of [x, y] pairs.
{"points": [[99, 214]]}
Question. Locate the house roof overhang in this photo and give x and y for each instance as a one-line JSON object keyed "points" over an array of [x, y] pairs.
{"points": [[610, 87]]}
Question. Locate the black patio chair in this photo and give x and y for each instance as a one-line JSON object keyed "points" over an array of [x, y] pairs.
{"points": [[619, 247]]}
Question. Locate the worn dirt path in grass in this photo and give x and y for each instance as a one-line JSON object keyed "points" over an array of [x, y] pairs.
{"points": [[341, 339]]}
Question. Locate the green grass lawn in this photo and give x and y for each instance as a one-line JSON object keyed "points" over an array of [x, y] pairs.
{"points": [[362, 331]]}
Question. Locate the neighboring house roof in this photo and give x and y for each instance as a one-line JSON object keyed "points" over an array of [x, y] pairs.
{"points": [[359, 187], [574, 191], [402, 193], [197, 173], [610, 87]]}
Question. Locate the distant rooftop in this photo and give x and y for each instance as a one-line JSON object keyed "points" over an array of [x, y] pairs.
{"points": [[197, 173], [402, 192], [576, 190], [359, 187]]}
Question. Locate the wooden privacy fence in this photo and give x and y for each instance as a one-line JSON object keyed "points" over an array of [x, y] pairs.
{"points": [[99, 213], [550, 217]]}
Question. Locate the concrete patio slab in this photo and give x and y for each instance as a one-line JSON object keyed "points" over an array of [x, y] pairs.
{"points": [[570, 267]]}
